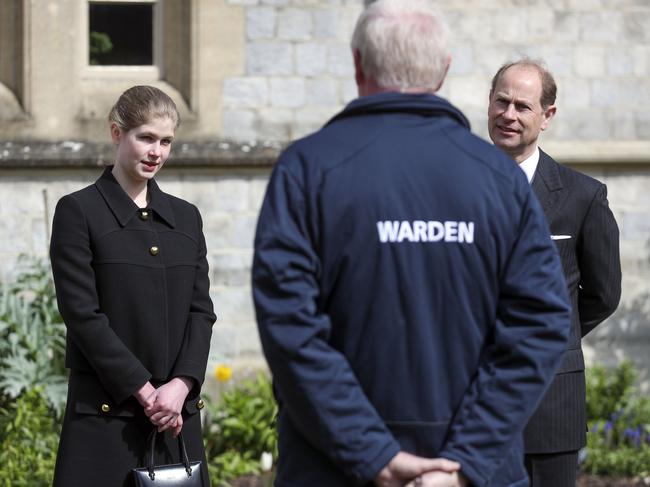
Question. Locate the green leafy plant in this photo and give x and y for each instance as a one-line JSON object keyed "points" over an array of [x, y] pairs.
{"points": [[29, 435], [239, 429], [32, 336], [618, 441], [99, 43]]}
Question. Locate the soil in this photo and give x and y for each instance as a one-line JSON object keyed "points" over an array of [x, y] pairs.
{"points": [[598, 481]]}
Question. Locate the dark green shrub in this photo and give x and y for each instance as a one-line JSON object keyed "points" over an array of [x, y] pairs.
{"points": [[32, 337], [618, 441], [239, 429], [29, 436]]}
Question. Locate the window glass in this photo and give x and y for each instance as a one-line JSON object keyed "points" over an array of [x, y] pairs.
{"points": [[120, 34]]}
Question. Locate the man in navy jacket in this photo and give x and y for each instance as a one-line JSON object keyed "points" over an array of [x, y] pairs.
{"points": [[410, 302]]}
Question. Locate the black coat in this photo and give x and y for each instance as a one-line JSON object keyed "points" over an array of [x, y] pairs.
{"points": [[132, 287], [586, 235]]}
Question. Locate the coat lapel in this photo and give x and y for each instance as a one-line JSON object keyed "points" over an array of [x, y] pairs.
{"points": [[547, 185]]}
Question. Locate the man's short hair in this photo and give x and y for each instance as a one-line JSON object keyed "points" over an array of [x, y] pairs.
{"points": [[549, 88], [402, 43]]}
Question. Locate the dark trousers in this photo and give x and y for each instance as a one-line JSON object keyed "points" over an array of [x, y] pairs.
{"points": [[552, 469]]}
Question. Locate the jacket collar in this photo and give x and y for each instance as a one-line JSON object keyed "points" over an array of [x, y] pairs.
{"points": [[547, 174], [427, 105], [124, 208], [547, 185]]}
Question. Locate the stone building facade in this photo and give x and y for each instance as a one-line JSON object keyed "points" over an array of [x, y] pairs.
{"points": [[249, 76]]}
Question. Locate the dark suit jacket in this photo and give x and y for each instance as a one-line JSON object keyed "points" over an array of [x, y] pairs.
{"points": [[586, 235]]}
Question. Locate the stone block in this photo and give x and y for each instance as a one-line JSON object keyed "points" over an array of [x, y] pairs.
{"points": [[589, 61], [349, 89], [339, 60], [589, 125], [605, 93], [323, 92], [325, 23], [217, 228], [257, 190], [558, 59], [512, 25], [230, 268], [311, 58], [635, 225], [641, 56], [310, 119], [269, 58], [275, 124], [643, 125], [468, 92], [233, 304], [294, 24], [636, 26], [243, 2], [603, 27], [287, 92], [540, 24], [245, 92], [228, 194], [260, 22], [623, 124], [481, 24], [619, 62], [462, 59], [239, 125], [573, 93], [243, 230], [567, 26]]}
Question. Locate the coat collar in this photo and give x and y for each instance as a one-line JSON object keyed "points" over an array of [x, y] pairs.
{"points": [[394, 102], [547, 183], [124, 208]]}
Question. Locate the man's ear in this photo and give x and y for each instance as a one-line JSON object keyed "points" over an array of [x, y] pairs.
{"points": [[359, 76], [442, 80], [116, 133], [549, 113]]}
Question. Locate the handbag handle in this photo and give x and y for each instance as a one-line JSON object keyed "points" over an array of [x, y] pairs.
{"points": [[152, 443]]}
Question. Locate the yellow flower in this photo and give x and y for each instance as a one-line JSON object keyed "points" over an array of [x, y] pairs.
{"points": [[223, 373]]}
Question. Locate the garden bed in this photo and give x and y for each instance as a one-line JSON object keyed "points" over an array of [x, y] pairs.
{"points": [[600, 481]]}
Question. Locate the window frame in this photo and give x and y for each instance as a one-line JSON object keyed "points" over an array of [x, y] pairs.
{"points": [[139, 73]]}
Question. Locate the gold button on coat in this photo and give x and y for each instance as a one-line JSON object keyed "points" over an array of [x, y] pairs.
{"points": [[200, 404], [105, 408], [144, 215], [153, 250]]}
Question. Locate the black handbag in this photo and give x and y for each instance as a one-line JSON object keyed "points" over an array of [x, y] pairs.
{"points": [[185, 474]]}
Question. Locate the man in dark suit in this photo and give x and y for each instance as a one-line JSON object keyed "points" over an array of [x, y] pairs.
{"points": [[522, 104]]}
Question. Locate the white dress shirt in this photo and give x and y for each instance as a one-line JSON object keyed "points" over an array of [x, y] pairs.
{"points": [[530, 165]]}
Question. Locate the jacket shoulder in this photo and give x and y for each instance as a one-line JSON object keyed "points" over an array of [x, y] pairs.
{"points": [[575, 180]]}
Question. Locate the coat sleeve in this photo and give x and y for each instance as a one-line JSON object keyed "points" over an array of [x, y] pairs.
{"points": [[119, 371], [600, 264], [193, 357], [319, 391], [520, 358]]}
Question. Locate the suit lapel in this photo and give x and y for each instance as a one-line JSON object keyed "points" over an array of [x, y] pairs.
{"points": [[547, 185]]}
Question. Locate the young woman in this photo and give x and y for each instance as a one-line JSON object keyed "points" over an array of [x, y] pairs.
{"points": [[131, 276]]}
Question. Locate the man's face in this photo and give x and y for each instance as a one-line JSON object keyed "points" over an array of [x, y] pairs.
{"points": [[515, 113]]}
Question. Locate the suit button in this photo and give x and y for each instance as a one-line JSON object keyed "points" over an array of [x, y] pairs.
{"points": [[153, 250], [144, 215], [105, 408], [200, 404]]}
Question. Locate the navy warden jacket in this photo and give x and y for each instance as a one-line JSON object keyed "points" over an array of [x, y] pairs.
{"points": [[408, 296]]}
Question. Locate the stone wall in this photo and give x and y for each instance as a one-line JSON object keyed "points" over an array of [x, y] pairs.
{"points": [[265, 72]]}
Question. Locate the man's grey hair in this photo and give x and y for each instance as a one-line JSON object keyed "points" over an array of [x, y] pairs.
{"points": [[403, 44]]}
